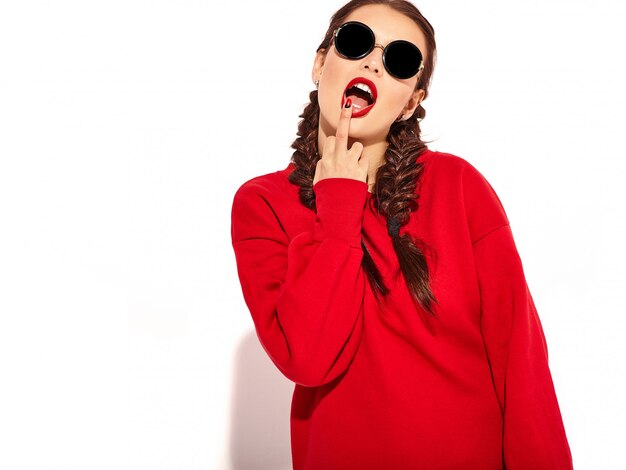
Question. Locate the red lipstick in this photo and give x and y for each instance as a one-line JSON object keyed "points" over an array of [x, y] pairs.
{"points": [[358, 112]]}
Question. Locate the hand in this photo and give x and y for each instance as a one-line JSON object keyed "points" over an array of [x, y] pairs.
{"points": [[339, 162]]}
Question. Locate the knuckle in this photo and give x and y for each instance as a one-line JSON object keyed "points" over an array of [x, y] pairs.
{"points": [[356, 147]]}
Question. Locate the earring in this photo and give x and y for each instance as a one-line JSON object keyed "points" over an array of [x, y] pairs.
{"points": [[317, 83], [401, 118]]}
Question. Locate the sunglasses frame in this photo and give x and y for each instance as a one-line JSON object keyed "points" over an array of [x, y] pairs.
{"points": [[374, 46]]}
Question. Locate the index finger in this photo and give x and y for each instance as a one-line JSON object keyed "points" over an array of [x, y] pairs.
{"points": [[343, 127]]}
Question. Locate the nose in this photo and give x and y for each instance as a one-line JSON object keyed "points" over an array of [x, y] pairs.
{"points": [[374, 60]]}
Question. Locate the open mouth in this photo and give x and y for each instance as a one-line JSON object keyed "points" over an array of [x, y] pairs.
{"points": [[363, 94]]}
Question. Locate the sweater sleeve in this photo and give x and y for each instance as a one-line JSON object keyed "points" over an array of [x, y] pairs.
{"points": [[306, 294], [534, 435]]}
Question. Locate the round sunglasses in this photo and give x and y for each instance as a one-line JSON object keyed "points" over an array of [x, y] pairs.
{"points": [[354, 40]]}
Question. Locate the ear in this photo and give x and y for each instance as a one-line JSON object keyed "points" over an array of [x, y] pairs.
{"points": [[416, 98], [318, 65]]}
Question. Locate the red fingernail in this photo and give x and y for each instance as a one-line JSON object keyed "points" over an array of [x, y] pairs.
{"points": [[348, 103]]}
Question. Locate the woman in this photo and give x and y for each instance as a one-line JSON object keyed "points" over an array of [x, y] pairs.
{"points": [[408, 328]]}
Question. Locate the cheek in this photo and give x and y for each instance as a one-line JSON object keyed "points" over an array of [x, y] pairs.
{"points": [[396, 99], [329, 99], [331, 90]]}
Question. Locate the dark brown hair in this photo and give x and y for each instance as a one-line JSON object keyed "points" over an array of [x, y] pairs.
{"points": [[394, 193]]}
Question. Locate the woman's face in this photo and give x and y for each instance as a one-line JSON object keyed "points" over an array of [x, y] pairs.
{"points": [[395, 96]]}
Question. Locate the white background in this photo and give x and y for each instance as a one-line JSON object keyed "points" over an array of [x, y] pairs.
{"points": [[127, 126]]}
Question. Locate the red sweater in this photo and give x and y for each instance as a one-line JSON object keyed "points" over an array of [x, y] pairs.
{"points": [[392, 387]]}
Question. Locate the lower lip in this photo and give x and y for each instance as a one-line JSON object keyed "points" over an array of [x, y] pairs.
{"points": [[357, 112]]}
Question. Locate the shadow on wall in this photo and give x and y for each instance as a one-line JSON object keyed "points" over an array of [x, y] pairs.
{"points": [[260, 410]]}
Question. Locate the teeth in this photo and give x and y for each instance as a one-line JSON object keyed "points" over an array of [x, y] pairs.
{"points": [[364, 87]]}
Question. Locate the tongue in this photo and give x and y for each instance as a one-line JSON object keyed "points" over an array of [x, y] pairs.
{"points": [[358, 101]]}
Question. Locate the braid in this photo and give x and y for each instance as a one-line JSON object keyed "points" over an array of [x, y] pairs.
{"points": [[398, 176], [396, 196], [306, 153]]}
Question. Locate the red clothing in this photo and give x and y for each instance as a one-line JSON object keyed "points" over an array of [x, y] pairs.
{"points": [[391, 387]]}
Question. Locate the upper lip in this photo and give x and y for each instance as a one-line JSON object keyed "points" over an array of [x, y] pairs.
{"points": [[369, 83]]}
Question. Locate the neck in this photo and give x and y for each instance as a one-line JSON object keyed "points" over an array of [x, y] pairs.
{"points": [[375, 151], [376, 156]]}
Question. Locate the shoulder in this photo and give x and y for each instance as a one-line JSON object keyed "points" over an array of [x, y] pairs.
{"points": [[264, 183], [446, 163], [453, 174], [258, 205], [269, 199], [267, 186]]}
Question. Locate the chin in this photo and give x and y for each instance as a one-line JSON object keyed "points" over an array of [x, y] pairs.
{"points": [[368, 127]]}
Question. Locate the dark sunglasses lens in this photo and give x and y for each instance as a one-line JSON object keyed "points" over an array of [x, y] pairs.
{"points": [[403, 59], [354, 40]]}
